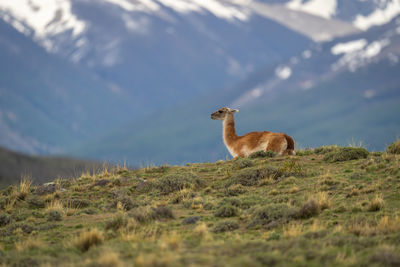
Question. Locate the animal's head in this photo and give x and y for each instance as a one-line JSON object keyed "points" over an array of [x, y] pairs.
{"points": [[222, 113]]}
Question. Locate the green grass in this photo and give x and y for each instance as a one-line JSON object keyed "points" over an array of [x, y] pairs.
{"points": [[302, 210]]}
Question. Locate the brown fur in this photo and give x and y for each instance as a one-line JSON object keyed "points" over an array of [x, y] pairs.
{"points": [[243, 146]]}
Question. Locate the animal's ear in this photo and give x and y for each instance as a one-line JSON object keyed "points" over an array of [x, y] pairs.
{"points": [[234, 110]]}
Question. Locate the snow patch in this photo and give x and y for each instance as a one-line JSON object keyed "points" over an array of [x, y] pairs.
{"points": [[379, 16], [321, 8], [45, 17], [142, 5], [349, 47], [225, 10], [283, 72]]}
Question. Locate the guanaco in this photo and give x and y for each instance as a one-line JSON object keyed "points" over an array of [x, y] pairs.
{"points": [[243, 146]]}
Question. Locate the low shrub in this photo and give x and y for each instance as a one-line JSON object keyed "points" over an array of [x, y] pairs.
{"points": [[175, 182], [235, 190], [225, 226], [54, 215], [271, 215], [226, 210], [263, 154], [162, 212], [126, 202], [117, 222], [242, 163], [325, 149], [346, 153], [4, 219], [148, 214], [251, 177], [308, 210]]}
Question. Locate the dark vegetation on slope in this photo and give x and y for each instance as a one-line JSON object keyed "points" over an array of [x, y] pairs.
{"points": [[15, 166], [296, 211]]}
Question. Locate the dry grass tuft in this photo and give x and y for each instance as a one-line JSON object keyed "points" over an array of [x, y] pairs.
{"points": [[376, 204], [385, 225], [107, 258], [88, 239], [55, 205], [293, 230], [153, 260], [170, 241], [202, 231], [322, 200], [24, 188], [294, 190], [28, 244]]}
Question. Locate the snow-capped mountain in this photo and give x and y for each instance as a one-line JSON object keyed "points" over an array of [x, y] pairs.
{"points": [[328, 60], [46, 19], [137, 57]]}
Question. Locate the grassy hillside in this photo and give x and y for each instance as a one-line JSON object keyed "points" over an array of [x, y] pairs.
{"points": [[332, 206], [14, 166]]}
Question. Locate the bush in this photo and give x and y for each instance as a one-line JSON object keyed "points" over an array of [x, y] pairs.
{"points": [[250, 177], [325, 149], [235, 190], [54, 215], [272, 215], [226, 211], [263, 154], [144, 215], [225, 226], [309, 209], [175, 182], [242, 163], [346, 153], [117, 222], [162, 212], [4, 219], [126, 202], [394, 148]]}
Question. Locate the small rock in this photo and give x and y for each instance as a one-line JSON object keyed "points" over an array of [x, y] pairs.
{"points": [[45, 189], [191, 220]]}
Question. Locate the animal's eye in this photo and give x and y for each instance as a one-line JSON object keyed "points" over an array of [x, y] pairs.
{"points": [[219, 111]]}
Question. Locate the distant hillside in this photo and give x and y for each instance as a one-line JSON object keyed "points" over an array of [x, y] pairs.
{"points": [[14, 165], [319, 98], [47, 103]]}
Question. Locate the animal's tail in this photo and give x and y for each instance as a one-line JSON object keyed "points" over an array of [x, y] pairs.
{"points": [[290, 146]]}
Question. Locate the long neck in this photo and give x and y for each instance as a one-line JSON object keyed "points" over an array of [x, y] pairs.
{"points": [[229, 131]]}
